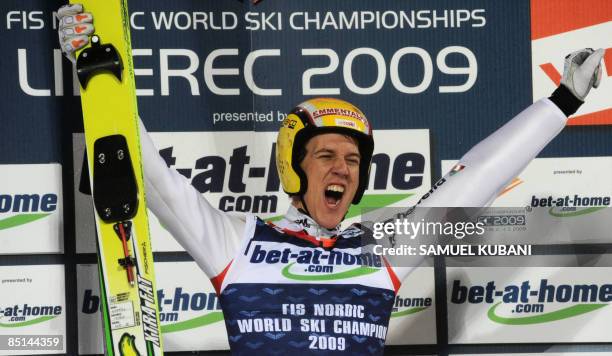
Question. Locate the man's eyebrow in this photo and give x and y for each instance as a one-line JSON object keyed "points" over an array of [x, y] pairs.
{"points": [[324, 150], [329, 150]]}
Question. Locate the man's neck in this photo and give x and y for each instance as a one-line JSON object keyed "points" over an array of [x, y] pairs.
{"points": [[296, 220]]}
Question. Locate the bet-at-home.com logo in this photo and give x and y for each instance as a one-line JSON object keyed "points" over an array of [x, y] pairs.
{"points": [[407, 306], [571, 205], [314, 265], [21, 209], [234, 175], [22, 315], [533, 302]]}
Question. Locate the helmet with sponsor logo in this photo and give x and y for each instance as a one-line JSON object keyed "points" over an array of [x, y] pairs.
{"points": [[314, 117]]}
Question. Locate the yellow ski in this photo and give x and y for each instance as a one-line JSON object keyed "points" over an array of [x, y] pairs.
{"points": [[110, 117]]}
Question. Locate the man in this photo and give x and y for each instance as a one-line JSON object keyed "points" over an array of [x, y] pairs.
{"points": [[302, 285]]}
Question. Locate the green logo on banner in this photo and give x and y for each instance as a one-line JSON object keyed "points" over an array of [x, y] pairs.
{"points": [[560, 314], [200, 321], [21, 219], [352, 273], [27, 323]]}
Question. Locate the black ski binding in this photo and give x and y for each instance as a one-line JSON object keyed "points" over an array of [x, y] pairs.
{"points": [[127, 262], [98, 58], [115, 192], [127, 228]]}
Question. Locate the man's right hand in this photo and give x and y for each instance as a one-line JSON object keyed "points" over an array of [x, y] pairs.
{"points": [[74, 29]]}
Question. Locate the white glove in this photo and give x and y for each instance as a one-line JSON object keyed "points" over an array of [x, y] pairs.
{"points": [[75, 26], [582, 71]]}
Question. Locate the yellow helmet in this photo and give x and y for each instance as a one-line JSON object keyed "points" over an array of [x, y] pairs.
{"points": [[313, 117]]}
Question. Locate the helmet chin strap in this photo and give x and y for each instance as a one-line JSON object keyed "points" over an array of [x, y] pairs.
{"points": [[303, 208]]}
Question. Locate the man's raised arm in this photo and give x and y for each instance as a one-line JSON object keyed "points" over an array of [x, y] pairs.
{"points": [[484, 171]]}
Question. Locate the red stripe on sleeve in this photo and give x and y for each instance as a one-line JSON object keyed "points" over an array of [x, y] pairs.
{"points": [[396, 282]]}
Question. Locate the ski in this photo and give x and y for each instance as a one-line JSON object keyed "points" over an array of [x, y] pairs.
{"points": [[110, 119]]}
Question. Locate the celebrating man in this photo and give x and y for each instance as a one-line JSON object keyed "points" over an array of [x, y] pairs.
{"points": [[324, 149]]}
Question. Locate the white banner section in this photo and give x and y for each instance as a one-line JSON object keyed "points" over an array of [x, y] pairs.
{"points": [[32, 310], [190, 315], [529, 305], [413, 321], [562, 200], [31, 218]]}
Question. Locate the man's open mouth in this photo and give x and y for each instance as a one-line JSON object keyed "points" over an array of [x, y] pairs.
{"points": [[333, 194]]}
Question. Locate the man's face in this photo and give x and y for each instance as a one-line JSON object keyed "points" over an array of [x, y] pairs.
{"points": [[332, 168]]}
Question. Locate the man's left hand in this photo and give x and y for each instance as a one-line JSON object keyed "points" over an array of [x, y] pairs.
{"points": [[582, 71]]}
